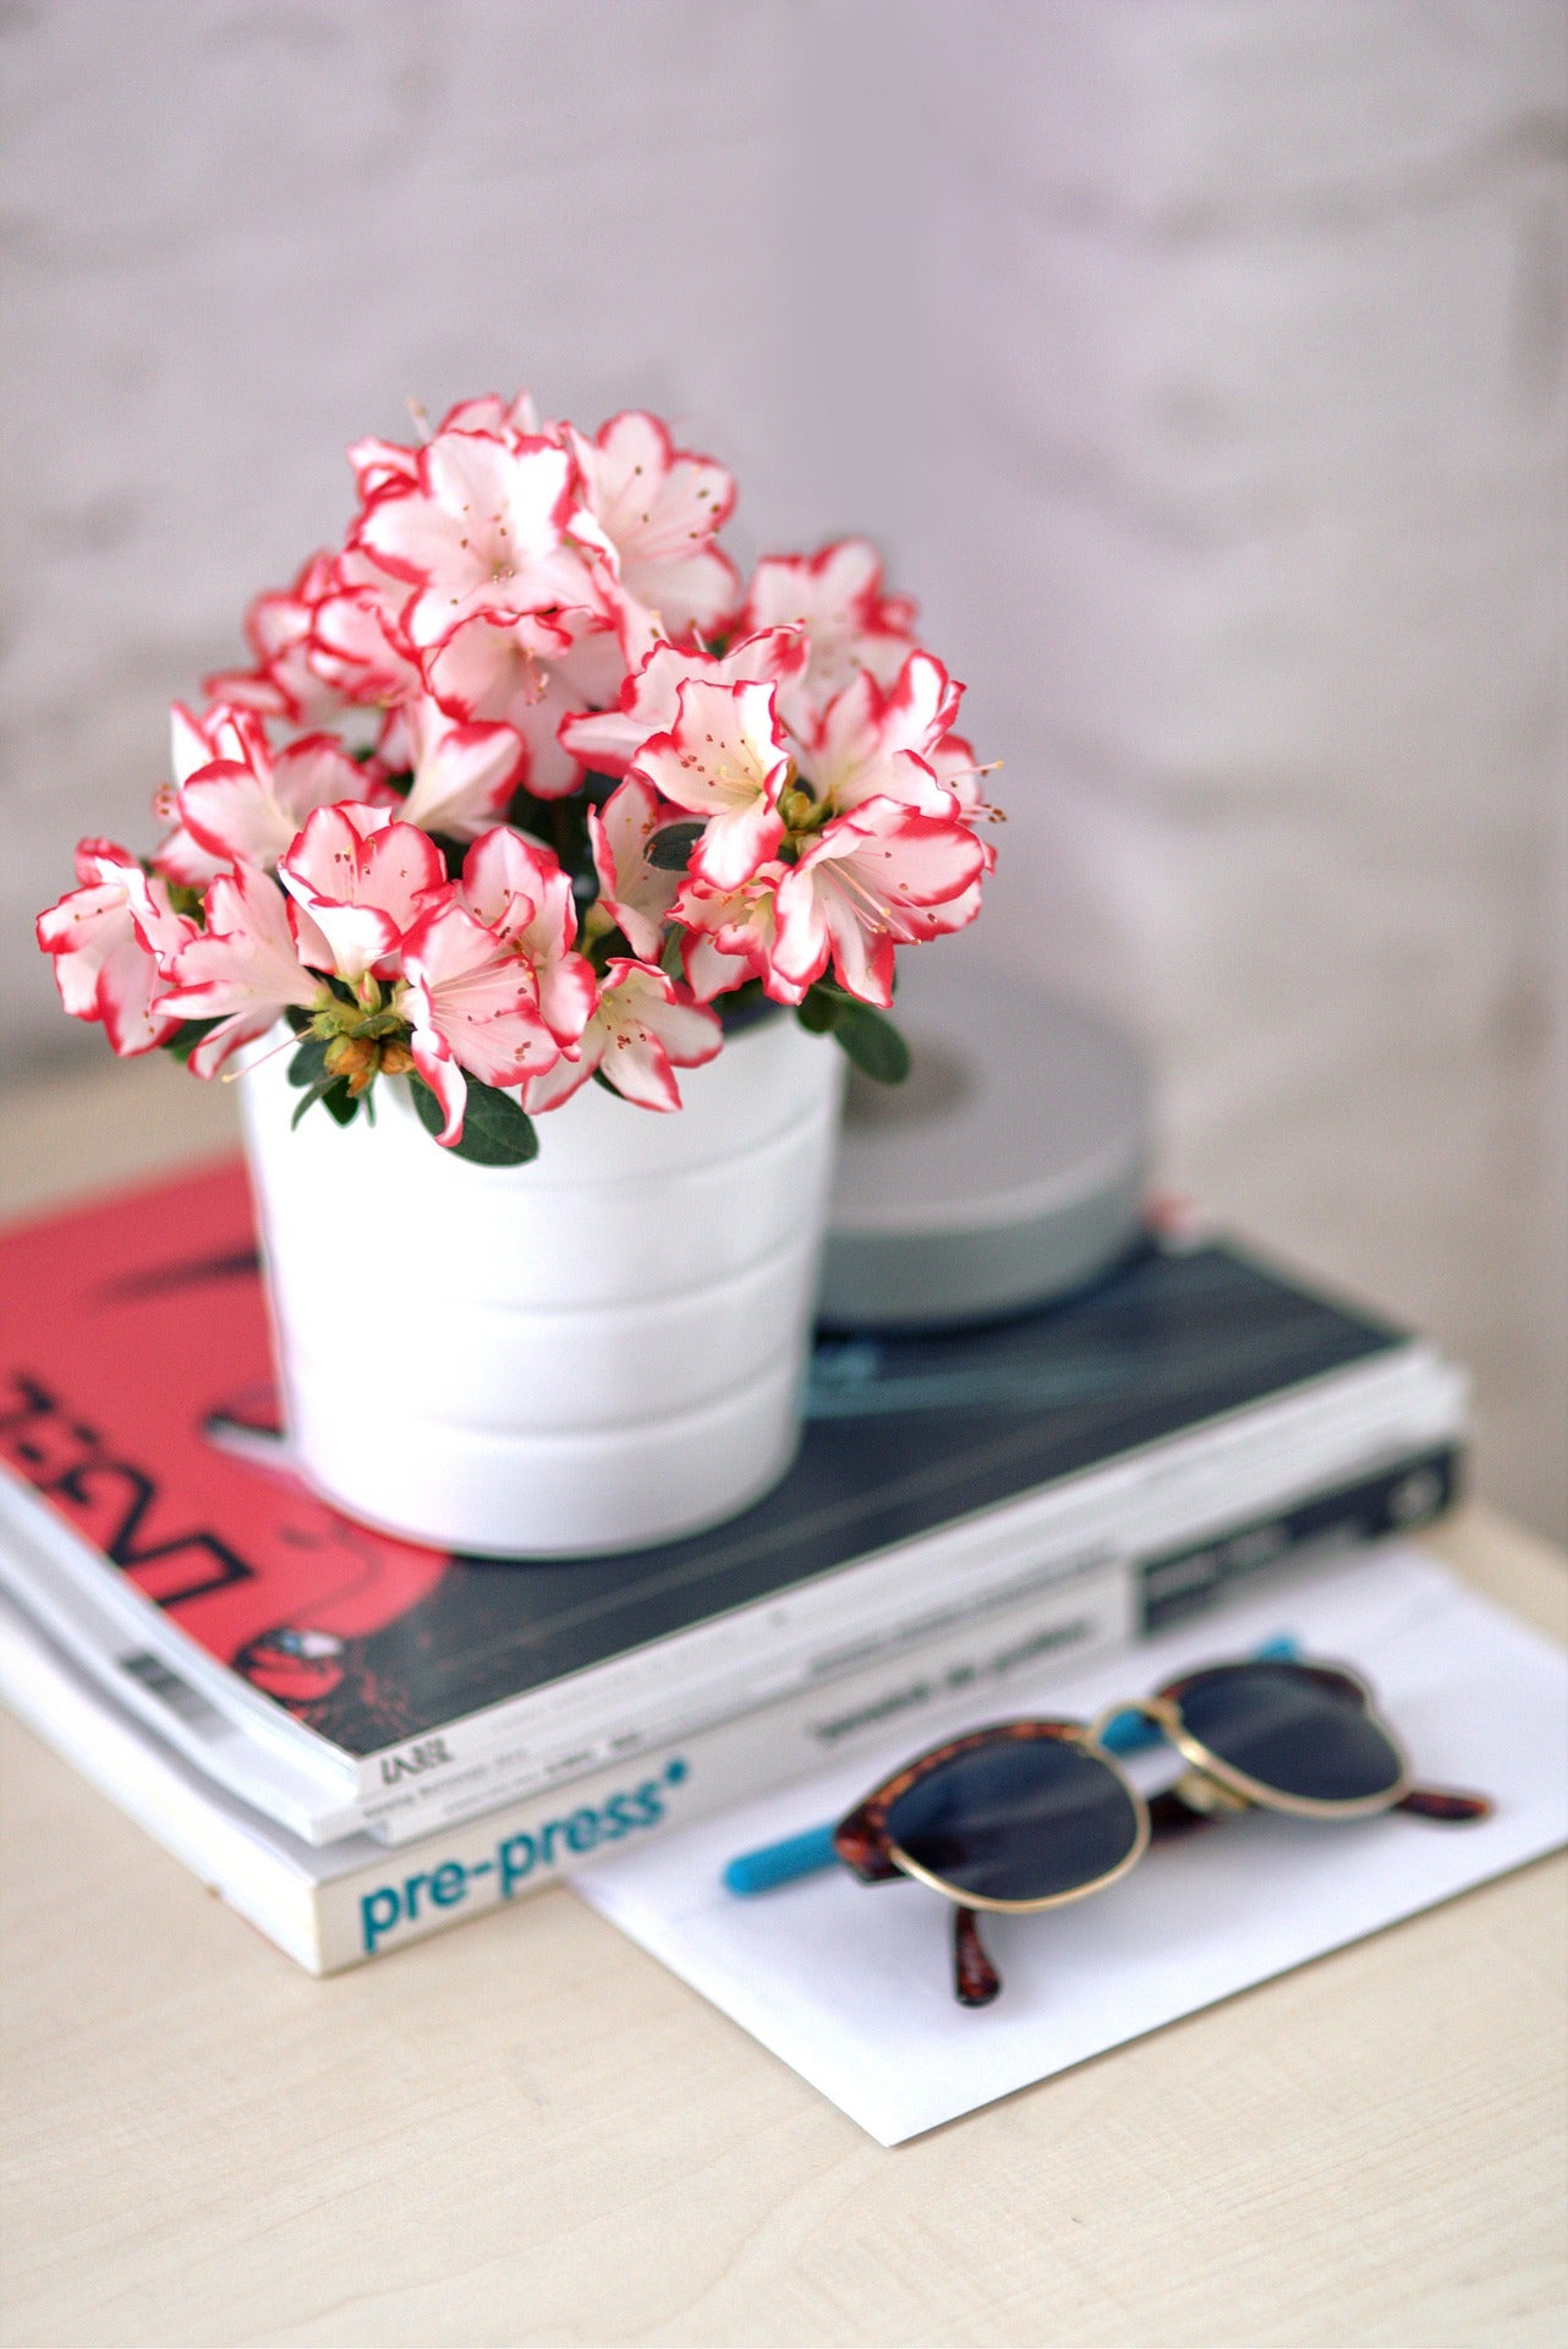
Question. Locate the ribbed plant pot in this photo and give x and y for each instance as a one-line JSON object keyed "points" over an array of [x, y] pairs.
{"points": [[602, 1348]]}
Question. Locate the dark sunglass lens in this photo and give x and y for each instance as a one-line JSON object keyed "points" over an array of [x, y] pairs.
{"points": [[1019, 1820], [1290, 1731]]}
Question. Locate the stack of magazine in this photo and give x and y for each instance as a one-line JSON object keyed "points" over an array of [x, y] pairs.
{"points": [[357, 1741]]}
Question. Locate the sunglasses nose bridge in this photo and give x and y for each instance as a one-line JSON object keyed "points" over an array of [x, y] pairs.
{"points": [[1158, 1710]]}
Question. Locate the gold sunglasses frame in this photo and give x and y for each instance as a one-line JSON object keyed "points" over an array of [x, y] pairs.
{"points": [[1213, 1777]]}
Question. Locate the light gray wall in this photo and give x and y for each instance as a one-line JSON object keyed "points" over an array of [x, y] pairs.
{"points": [[1200, 362]]}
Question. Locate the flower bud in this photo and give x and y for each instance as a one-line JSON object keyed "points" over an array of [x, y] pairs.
{"points": [[354, 1057]]}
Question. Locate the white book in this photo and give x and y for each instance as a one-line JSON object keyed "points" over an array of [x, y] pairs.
{"points": [[335, 1906]]}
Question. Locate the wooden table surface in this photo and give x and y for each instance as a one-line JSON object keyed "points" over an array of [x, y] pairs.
{"points": [[525, 2131]]}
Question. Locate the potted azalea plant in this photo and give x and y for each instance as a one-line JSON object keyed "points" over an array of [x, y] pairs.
{"points": [[526, 813]]}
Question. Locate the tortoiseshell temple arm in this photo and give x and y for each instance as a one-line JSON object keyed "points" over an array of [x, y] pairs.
{"points": [[1169, 1815], [1445, 1803], [976, 1980], [860, 1842]]}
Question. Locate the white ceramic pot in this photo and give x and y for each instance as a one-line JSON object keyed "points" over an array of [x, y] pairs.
{"points": [[599, 1349]]}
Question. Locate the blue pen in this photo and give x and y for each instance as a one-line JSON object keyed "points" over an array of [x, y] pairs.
{"points": [[805, 1854]]}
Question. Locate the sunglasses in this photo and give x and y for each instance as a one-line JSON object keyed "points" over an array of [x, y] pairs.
{"points": [[1030, 1814]]}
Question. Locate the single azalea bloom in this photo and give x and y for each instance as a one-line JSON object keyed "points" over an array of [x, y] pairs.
{"points": [[868, 883], [363, 881], [464, 773], [607, 740], [285, 683], [249, 807], [642, 1029], [730, 935], [871, 743], [660, 508], [256, 957], [532, 673], [223, 733], [112, 939], [835, 598], [481, 528], [472, 1002], [518, 890], [639, 894], [726, 758]]}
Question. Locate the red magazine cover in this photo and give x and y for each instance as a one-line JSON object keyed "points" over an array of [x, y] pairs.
{"points": [[131, 1330]]}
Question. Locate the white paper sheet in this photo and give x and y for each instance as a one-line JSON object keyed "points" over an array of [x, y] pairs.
{"points": [[852, 1984]]}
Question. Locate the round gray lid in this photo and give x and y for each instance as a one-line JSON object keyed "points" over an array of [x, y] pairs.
{"points": [[1009, 1168]]}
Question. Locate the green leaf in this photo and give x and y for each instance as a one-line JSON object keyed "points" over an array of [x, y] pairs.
{"points": [[496, 1131], [670, 850], [426, 1108], [820, 1011], [340, 1103], [334, 1097], [873, 1042], [308, 1065]]}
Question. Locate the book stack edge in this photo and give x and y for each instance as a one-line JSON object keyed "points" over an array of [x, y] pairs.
{"points": [[358, 1744]]}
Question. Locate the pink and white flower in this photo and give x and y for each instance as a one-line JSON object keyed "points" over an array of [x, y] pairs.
{"points": [[518, 610], [642, 1030], [874, 744], [637, 893], [362, 882], [726, 758], [284, 682], [472, 1002], [249, 803], [513, 419], [660, 508], [481, 529], [532, 675], [731, 934], [464, 773], [112, 938], [194, 743], [517, 889], [247, 967], [835, 598], [378, 463], [357, 642], [609, 739], [869, 883]]}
